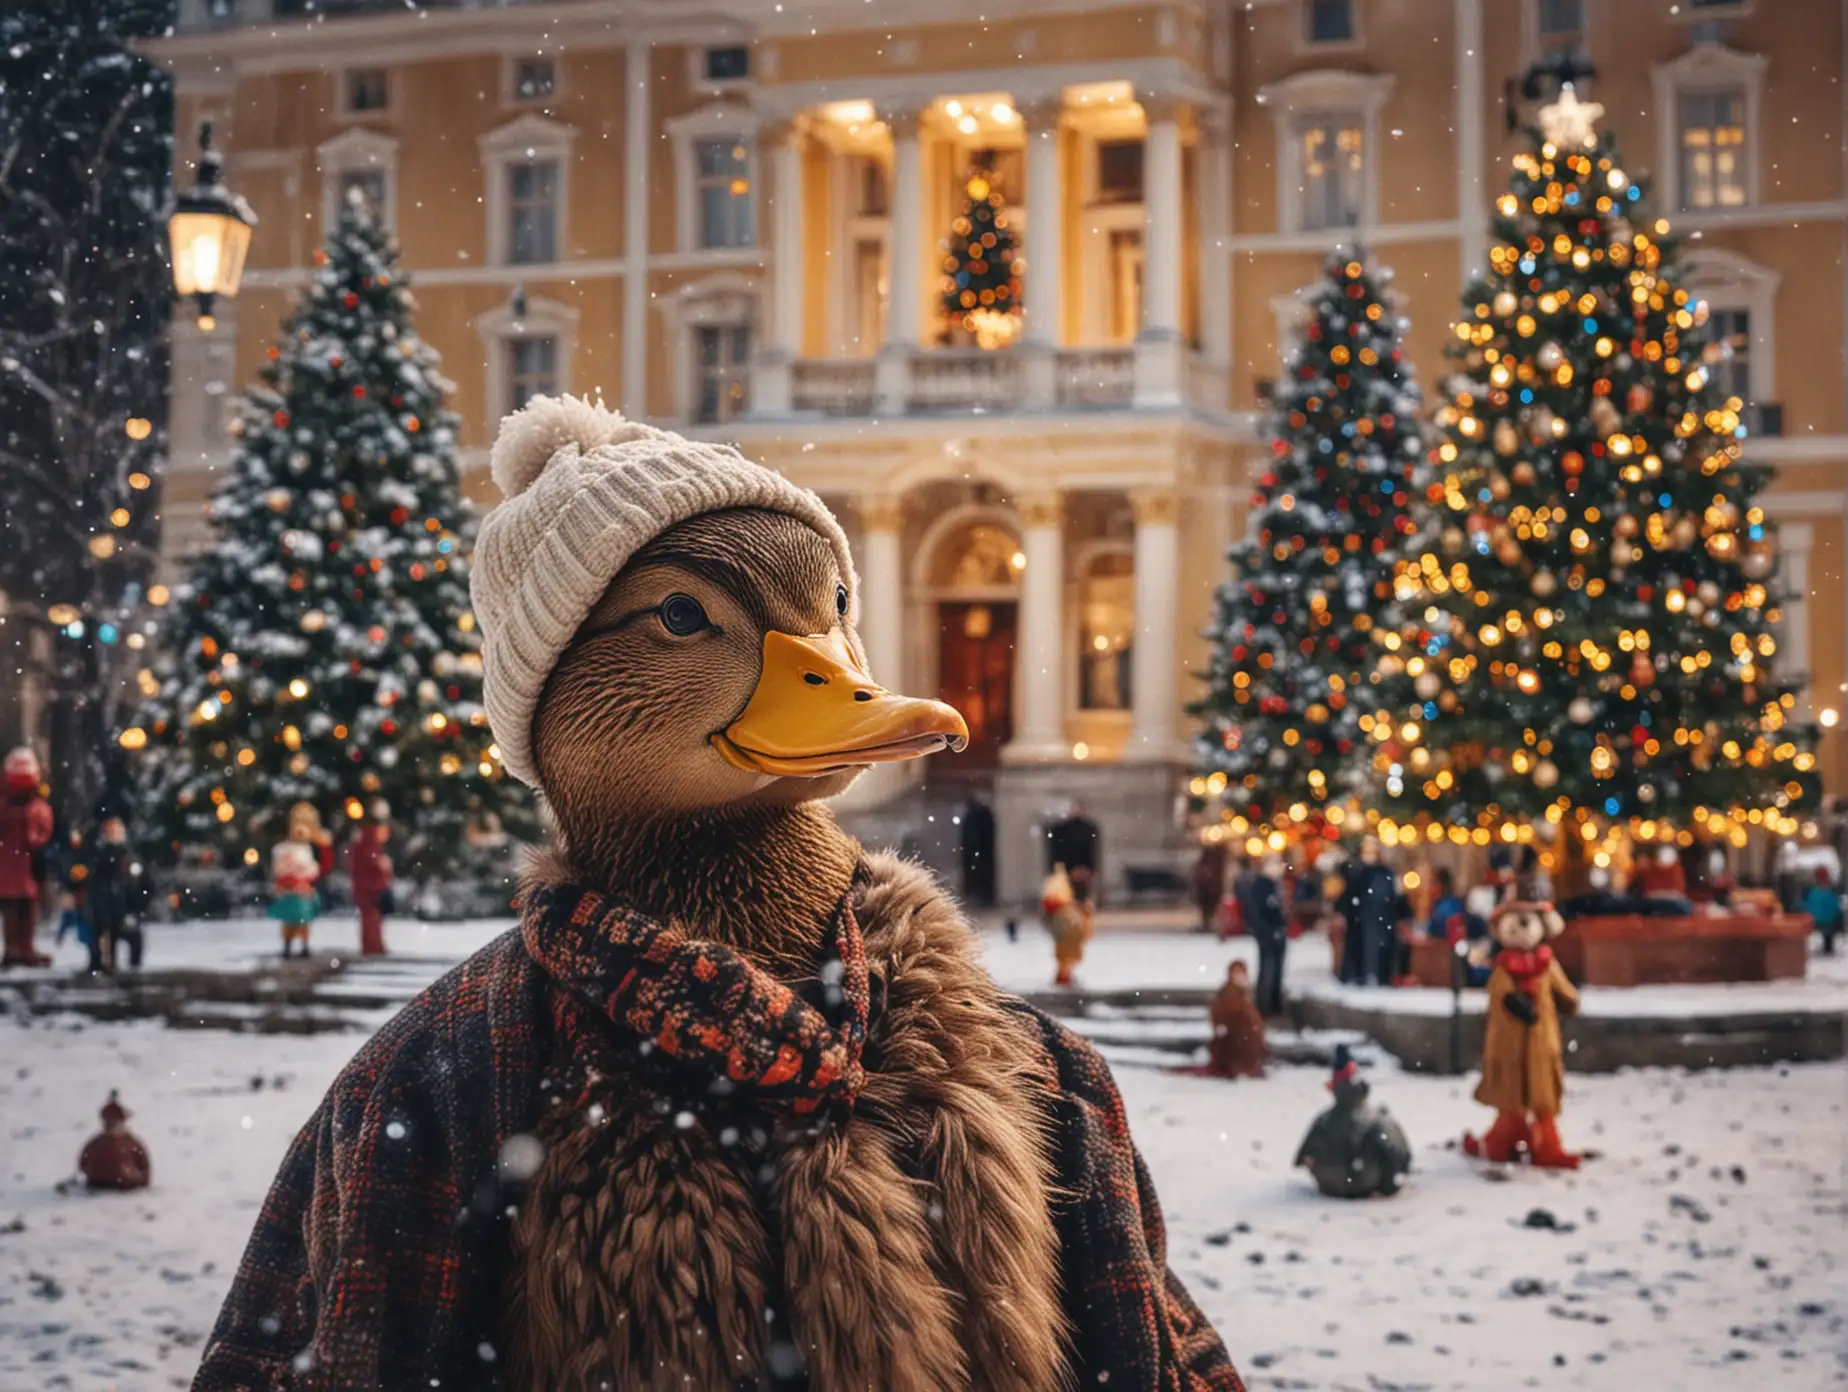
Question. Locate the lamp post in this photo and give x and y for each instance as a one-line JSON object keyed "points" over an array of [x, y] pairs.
{"points": [[209, 229]]}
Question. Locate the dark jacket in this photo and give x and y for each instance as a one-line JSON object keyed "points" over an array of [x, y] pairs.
{"points": [[1260, 901], [115, 889], [1370, 897]]}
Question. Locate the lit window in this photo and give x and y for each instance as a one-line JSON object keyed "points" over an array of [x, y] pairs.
{"points": [[369, 184], [367, 89], [722, 356], [534, 79], [1332, 167], [731, 64], [870, 187], [1119, 171], [869, 290], [1106, 632], [1732, 330], [1329, 21], [532, 213], [1560, 20], [1713, 149], [723, 175], [532, 370], [1125, 272]]}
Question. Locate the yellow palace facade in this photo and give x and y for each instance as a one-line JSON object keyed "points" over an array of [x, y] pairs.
{"points": [[729, 218]]}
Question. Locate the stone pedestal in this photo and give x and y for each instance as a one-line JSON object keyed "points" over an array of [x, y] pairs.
{"points": [[1136, 808]]}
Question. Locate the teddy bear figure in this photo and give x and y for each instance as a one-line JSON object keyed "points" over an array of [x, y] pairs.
{"points": [[1523, 1068]]}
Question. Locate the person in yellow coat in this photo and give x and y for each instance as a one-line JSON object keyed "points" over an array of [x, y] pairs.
{"points": [[1068, 920], [1523, 1059]]}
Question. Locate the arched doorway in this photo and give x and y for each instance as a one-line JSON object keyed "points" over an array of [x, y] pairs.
{"points": [[971, 562]]}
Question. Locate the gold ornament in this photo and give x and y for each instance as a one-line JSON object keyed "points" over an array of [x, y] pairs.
{"points": [[1550, 356], [1544, 583], [1523, 474], [1506, 441], [1546, 773]]}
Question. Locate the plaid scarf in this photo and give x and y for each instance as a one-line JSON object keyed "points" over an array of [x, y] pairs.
{"points": [[706, 1006]]}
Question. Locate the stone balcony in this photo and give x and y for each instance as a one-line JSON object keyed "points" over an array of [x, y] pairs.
{"points": [[970, 381]]}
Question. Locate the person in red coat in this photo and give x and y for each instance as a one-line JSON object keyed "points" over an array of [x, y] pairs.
{"points": [[369, 870], [25, 830]]}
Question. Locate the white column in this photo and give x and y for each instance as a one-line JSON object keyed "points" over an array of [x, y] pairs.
{"points": [[1152, 660], [636, 147], [787, 229], [1214, 156], [882, 633], [1161, 230], [1159, 370], [1039, 653], [772, 386], [1045, 223], [1472, 210], [904, 253], [1794, 543]]}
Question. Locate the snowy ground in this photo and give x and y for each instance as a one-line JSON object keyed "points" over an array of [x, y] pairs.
{"points": [[1707, 1239]]}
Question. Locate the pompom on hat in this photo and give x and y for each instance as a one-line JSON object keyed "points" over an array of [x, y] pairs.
{"points": [[585, 490]]}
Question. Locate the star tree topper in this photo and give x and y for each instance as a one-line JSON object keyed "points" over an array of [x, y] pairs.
{"points": [[1570, 123]]}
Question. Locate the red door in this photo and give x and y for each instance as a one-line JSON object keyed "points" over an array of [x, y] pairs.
{"points": [[975, 667]]}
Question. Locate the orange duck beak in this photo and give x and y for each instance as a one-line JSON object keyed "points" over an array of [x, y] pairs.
{"points": [[816, 711]]}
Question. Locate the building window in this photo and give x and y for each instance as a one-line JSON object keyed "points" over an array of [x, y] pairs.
{"points": [[1333, 166], [1125, 273], [532, 370], [532, 213], [1106, 632], [1560, 22], [1119, 171], [534, 79], [723, 184], [1713, 173], [1731, 329], [369, 186], [870, 288], [730, 64], [220, 11], [1328, 21], [721, 360], [367, 89]]}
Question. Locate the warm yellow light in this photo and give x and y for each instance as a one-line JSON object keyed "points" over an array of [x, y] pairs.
{"points": [[1828, 716], [226, 811], [139, 427], [298, 688], [134, 737], [102, 547]]}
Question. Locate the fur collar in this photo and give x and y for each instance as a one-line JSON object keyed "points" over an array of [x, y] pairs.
{"points": [[909, 1248]]}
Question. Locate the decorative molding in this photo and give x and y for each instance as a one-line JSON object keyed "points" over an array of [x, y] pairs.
{"points": [[1155, 507], [1763, 215], [880, 512], [1041, 509], [1326, 93], [525, 139], [356, 151], [1706, 67], [1326, 239], [898, 93], [500, 326]]}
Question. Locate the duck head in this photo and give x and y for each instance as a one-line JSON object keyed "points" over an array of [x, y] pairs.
{"points": [[720, 673]]}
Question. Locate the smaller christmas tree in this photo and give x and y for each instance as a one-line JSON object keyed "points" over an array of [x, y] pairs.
{"points": [[322, 649], [1293, 643], [981, 281]]}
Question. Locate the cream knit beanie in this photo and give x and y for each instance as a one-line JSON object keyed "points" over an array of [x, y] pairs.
{"points": [[584, 491]]}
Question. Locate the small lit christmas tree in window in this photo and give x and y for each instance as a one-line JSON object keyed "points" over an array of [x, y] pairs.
{"points": [[981, 278]]}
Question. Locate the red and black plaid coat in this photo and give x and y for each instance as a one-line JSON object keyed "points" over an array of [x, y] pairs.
{"points": [[378, 1258]]}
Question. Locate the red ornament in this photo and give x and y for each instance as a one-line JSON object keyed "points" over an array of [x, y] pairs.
{"points": [[350, 300], [281, 418], [359, 393], [388, 727]]}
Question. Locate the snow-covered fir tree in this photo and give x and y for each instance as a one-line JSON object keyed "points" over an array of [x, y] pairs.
{"points": [[1292, 641], [322, 649], [1596, 608]]}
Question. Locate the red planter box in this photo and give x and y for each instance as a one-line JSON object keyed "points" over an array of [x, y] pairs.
{"points": [[1637, 951]]}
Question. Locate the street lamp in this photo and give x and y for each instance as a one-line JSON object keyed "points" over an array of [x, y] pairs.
{"points": [[209, 228]]}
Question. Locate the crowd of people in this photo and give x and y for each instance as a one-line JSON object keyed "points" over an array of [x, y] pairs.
{"points": [[102, 891]]}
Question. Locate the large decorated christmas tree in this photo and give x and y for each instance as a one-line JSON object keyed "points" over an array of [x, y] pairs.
{"points": [[1293, 643], [1595, 606], [981, 282], [322, 648]]}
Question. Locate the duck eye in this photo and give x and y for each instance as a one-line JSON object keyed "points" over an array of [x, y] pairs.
{"points": [[840, 600], [682, 615]]}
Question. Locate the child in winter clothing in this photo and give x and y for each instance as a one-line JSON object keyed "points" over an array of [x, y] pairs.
{"points": [[115, 895], [295, 867], [1068, 920], [1824, 906], [73, 871]]}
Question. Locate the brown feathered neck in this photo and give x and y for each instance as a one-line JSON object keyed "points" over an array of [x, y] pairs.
{"points": [[764, 880]]}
